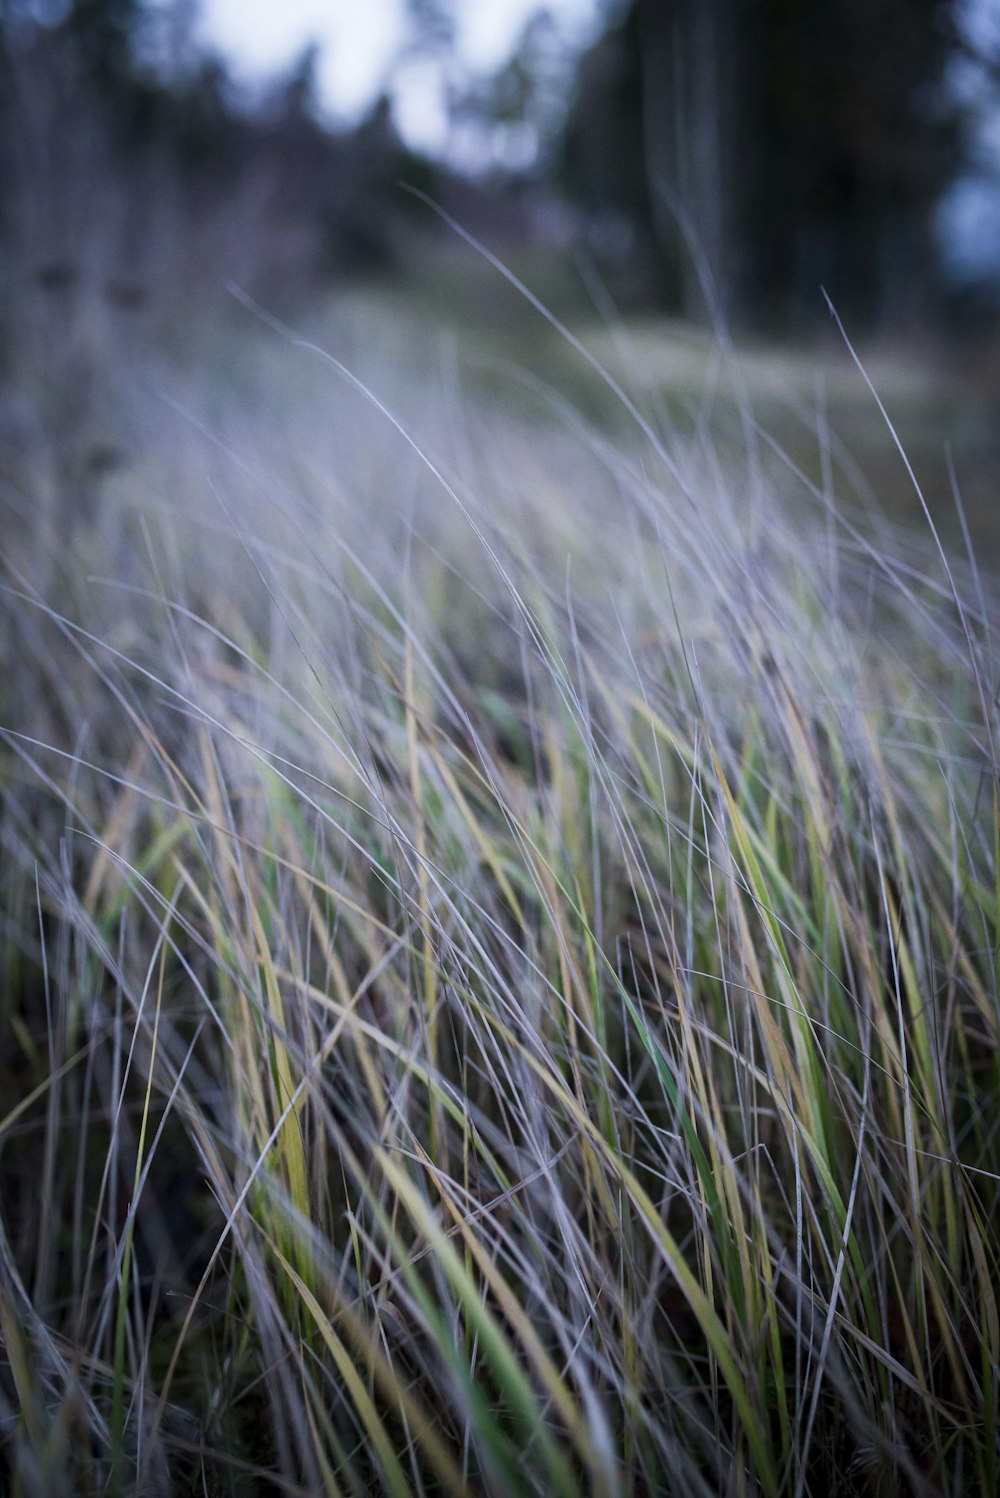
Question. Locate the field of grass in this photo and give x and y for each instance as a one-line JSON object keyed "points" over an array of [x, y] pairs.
{"points": [[500, 942]]}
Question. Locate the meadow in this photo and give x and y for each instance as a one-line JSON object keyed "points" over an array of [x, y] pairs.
{"points": [[500, 895]]}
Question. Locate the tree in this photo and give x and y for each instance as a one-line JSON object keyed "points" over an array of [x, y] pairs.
{"points": [[650, 141], [431, 27], [104, 33], [522, 107], [856, 141], [774, 144]]}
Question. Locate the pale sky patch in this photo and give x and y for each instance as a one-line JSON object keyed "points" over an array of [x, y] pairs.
{"points": [[261, 39]]}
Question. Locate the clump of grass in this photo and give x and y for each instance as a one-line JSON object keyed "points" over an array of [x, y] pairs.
{"points": [[485, 1022]]}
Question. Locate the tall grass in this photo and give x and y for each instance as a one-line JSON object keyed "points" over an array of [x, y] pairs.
{"points": [[500, 955]]}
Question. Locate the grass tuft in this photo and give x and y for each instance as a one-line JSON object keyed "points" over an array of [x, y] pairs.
{"points": [[500, 940]]}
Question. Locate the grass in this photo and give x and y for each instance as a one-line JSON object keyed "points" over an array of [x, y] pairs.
{"points": [[500, 954]]}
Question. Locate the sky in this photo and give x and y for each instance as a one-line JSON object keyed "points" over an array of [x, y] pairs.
{"points": [[359, 39]]}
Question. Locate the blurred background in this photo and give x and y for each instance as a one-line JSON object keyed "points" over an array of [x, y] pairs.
{"points": [[660, 166], [767, 147]]}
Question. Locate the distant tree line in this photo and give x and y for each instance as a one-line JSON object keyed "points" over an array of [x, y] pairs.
{"points": [[754, 150], [740, 155], [737, 154], [122, 144]]}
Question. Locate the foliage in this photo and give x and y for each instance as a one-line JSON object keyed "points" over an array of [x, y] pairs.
{"points": [[118, 134], [794, 144]]}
